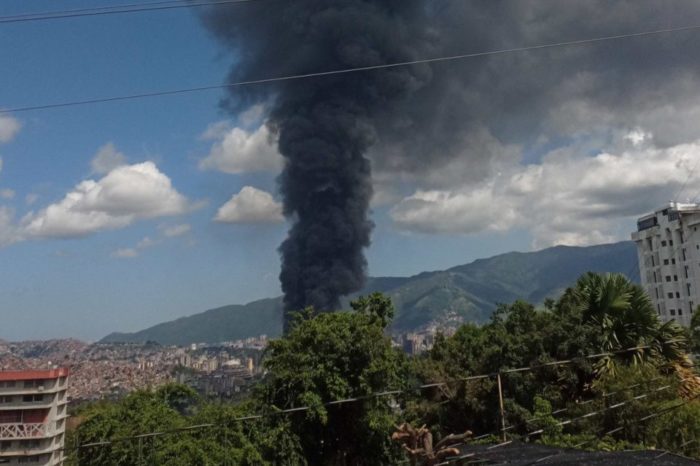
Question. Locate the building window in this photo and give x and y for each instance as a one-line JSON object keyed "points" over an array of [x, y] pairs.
{"points": [[681, 236], [690, 307], [673, 312], [670, 296], [687, 288], [670, 242], [673, 261], [7, 384], [30, 444], [32, 398], [656, 290], [684, 256], [33, 383], [663, 243], [658, 309], [654, 277], [675, 278], [678, 295], [652, 261], [5, 399], [668, 278], [686, 271]]}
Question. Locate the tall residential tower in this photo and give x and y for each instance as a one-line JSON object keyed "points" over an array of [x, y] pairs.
{"points": [[33, 413], [668, 248]]}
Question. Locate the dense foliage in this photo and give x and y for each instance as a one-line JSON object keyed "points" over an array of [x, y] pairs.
{"points": [[641, 369]]}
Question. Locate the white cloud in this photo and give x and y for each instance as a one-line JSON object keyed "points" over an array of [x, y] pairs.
{"points": [[9, 233], [31, 198], [250, 205], [146, 242], [236, 150], [107, 159], [7, 194], [568, 198], [125, 253], [176, 230], [9, 127], [130, 253], [124, 195]]}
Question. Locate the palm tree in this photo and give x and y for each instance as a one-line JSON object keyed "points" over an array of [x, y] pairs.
{"points": [[623, 317]]}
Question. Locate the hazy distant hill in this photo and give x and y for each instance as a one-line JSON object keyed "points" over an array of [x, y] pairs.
{"points": [[469, 292]]}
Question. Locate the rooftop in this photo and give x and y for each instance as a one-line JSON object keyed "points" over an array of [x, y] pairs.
{"points": [[34, 374], [521, 454]]}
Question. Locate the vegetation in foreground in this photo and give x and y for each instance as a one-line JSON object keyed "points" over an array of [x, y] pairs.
{"points": [[347, 356]]}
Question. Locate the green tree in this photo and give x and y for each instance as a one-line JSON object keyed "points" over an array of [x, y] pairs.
{"points": [[622, 316], [695, 332], [334, 356]]}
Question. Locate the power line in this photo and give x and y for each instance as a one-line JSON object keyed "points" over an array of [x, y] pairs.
{"points": [[115, 10], [365, 397], [583, 443], [618, 429], [343, 71]]}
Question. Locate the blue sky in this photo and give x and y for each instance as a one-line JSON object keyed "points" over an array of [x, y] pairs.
{"points": [[183, 253], [59, 287]]}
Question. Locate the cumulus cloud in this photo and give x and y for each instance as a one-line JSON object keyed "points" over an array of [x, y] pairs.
{"points": [[176, 230], [9, 233], [126, 194], [568, 198], [9, 127], [7, 194], [107, 159], [250, 205], [236, 150], [125, 253]]}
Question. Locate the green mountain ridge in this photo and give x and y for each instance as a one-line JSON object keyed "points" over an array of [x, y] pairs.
{"points": [[467, 293]]}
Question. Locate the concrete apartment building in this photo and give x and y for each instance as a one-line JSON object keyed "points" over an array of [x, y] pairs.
{"points": [[668, 248], [33, 414]]}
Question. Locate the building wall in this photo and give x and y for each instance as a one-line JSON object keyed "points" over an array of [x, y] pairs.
{"points": [[33, 413], [668, 249]]}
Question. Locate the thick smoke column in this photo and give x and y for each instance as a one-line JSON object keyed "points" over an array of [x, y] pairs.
{"points": [[326, 125], [446, 125]]}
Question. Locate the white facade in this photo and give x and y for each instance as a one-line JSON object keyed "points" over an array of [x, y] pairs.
{"points": [[668, 249], [33, 414]]}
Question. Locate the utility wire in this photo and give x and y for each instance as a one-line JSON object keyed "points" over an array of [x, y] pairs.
{"points": [[583, 443], [114, 10], [344, 71], [618, 429], [604, 396], [367, 397]]}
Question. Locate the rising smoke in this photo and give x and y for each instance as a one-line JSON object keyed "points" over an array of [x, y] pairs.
{"points": [[414, 120]]}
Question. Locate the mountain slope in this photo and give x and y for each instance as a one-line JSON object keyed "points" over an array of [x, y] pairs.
{"points": [[464, 293]]}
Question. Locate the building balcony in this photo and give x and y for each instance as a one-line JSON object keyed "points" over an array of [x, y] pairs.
{"points": [[47, 448], [25, 431]]}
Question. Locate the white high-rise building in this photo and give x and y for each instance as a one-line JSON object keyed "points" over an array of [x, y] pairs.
{"points": [[668, 248], [33, 413]]}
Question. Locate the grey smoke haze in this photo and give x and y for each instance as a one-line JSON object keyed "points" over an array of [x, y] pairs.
{"points": [[414, 121]]}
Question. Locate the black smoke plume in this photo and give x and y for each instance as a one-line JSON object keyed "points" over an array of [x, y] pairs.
{"points": [[325, 126], [413, 121]]}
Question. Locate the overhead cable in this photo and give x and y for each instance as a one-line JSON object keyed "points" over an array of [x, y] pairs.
{"points": [[115, 10], [343, 71]]}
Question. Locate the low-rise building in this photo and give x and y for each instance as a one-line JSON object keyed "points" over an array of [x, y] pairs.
{"points": [[33, 413]]}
